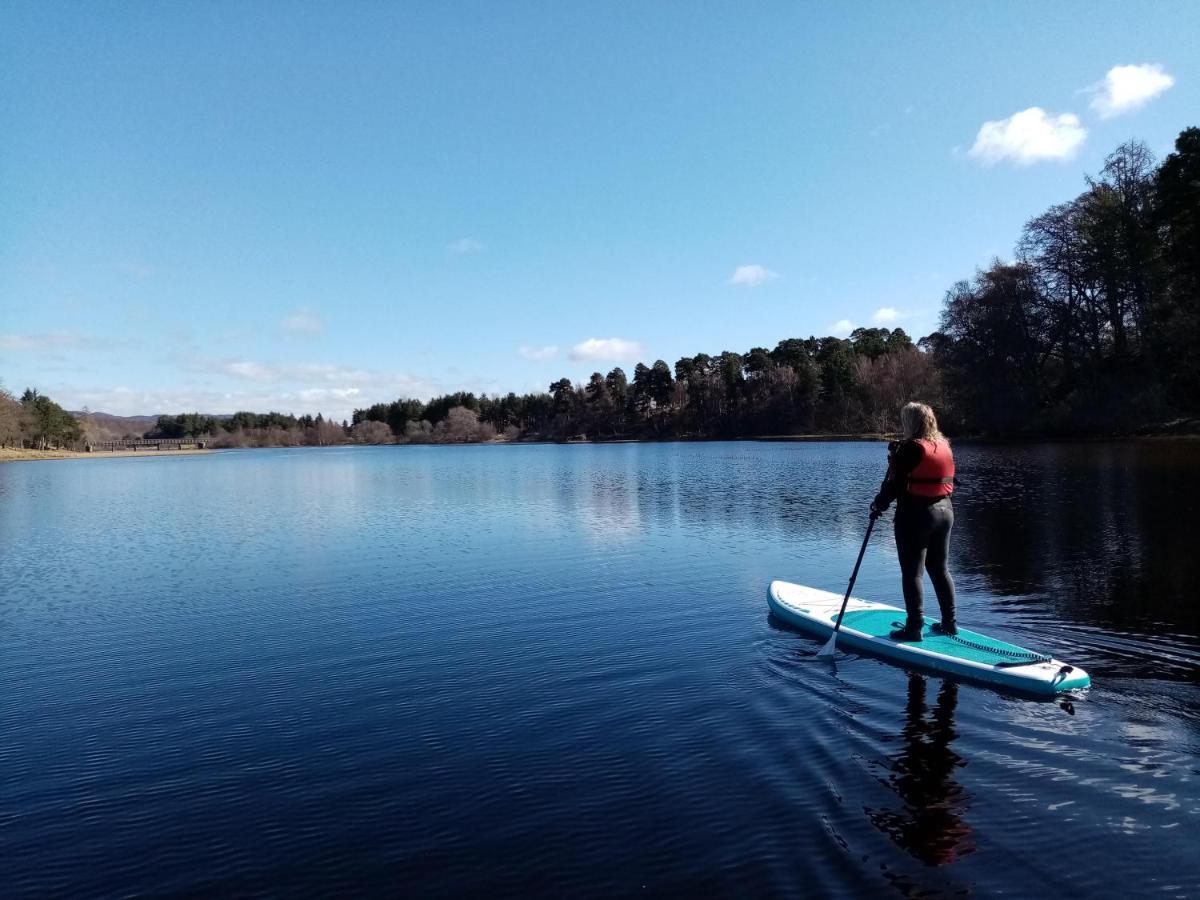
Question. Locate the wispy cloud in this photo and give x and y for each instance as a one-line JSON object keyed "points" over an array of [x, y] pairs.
{"points": [[752, 275], [607, 349], [303, 322], [464, 246], [842, 328], [1126, 88], [226, 386], [885, 315], [39, 343], [335, 403], [55, 345], [1027, 137], [251, 370], [538, 354], [299, 387]]}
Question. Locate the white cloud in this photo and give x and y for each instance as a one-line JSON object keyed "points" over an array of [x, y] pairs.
{"points": [[886, 315], [1028, 137], [610, 349], [752, 275], [325, 397], [304, 321], [465, 245], [842, 328], [539, 354], [1126, 88]]}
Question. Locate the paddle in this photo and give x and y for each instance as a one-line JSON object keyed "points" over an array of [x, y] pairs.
{"points": [[828, 649]]}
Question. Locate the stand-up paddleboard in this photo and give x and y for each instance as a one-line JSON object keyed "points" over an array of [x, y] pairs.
{"points": [[865, 627]]}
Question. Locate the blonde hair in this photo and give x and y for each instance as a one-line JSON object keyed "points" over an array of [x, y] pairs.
{"points": [[918, 421]]}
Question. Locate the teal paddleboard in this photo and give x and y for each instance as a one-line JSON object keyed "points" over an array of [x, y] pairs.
{"points": [[866, 626]]}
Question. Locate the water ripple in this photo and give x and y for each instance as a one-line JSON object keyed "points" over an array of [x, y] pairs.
{"points": [[550, 670]]}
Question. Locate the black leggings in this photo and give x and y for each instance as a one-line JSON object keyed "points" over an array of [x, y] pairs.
{"points": [[923, 542]]}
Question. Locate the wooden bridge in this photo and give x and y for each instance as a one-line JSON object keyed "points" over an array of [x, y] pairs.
{"points": [[149, 445]]}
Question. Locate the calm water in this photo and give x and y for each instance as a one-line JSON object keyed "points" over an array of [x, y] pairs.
{"points": [[550, 670]]}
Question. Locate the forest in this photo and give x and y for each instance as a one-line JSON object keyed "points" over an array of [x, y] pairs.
{"points": [[1088, 330]]}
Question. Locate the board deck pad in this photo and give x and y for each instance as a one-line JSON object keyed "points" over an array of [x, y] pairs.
{"points": [[866, 627], [965, 645]]}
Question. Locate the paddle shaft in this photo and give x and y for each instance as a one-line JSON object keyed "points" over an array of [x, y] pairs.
{"points": [[854, 575]]}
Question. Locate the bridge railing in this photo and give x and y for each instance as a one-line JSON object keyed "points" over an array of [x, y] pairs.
{"points": [[146, 444]]}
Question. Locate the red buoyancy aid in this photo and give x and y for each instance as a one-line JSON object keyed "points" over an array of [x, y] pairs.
{"points": [[934, 474]]}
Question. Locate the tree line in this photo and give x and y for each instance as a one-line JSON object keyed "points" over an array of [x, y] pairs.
{"points": [[250, 429], [35, 421], [1094, 325], [802, 385], [1091, 328], [807, 385]]}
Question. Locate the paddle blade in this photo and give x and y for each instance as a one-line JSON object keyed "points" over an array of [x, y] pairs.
{"points": [[829, 648]]}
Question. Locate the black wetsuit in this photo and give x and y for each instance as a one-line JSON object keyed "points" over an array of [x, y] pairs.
{"points": [[922, 529]]}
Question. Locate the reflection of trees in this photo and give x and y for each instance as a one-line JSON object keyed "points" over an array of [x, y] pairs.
{"points": [[1095, 534], [930, 824], [1088, 527]]}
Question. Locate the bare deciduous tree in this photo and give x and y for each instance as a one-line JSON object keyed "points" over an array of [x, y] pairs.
{"points": [[370, 432], [418, 432], [461, 425], [891, 380]]}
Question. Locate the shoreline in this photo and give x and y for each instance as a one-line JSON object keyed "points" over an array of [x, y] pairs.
{"points": [[12, 454], [880, 438]]}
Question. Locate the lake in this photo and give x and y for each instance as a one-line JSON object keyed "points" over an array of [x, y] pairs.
{"points": [[550, 671]]}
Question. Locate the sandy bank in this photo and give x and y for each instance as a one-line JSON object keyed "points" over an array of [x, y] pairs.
{"points": [[10, 454]]}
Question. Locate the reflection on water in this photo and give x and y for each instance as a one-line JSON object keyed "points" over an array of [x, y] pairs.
{"points": [[1088, 537], [931, 821], [544, 670], [1098, 529]]}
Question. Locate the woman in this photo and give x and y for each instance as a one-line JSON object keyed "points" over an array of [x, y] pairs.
{"points": [[920, 478]]}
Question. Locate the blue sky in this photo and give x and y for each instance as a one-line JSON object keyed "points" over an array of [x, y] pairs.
{"points": [[312, 207]]}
